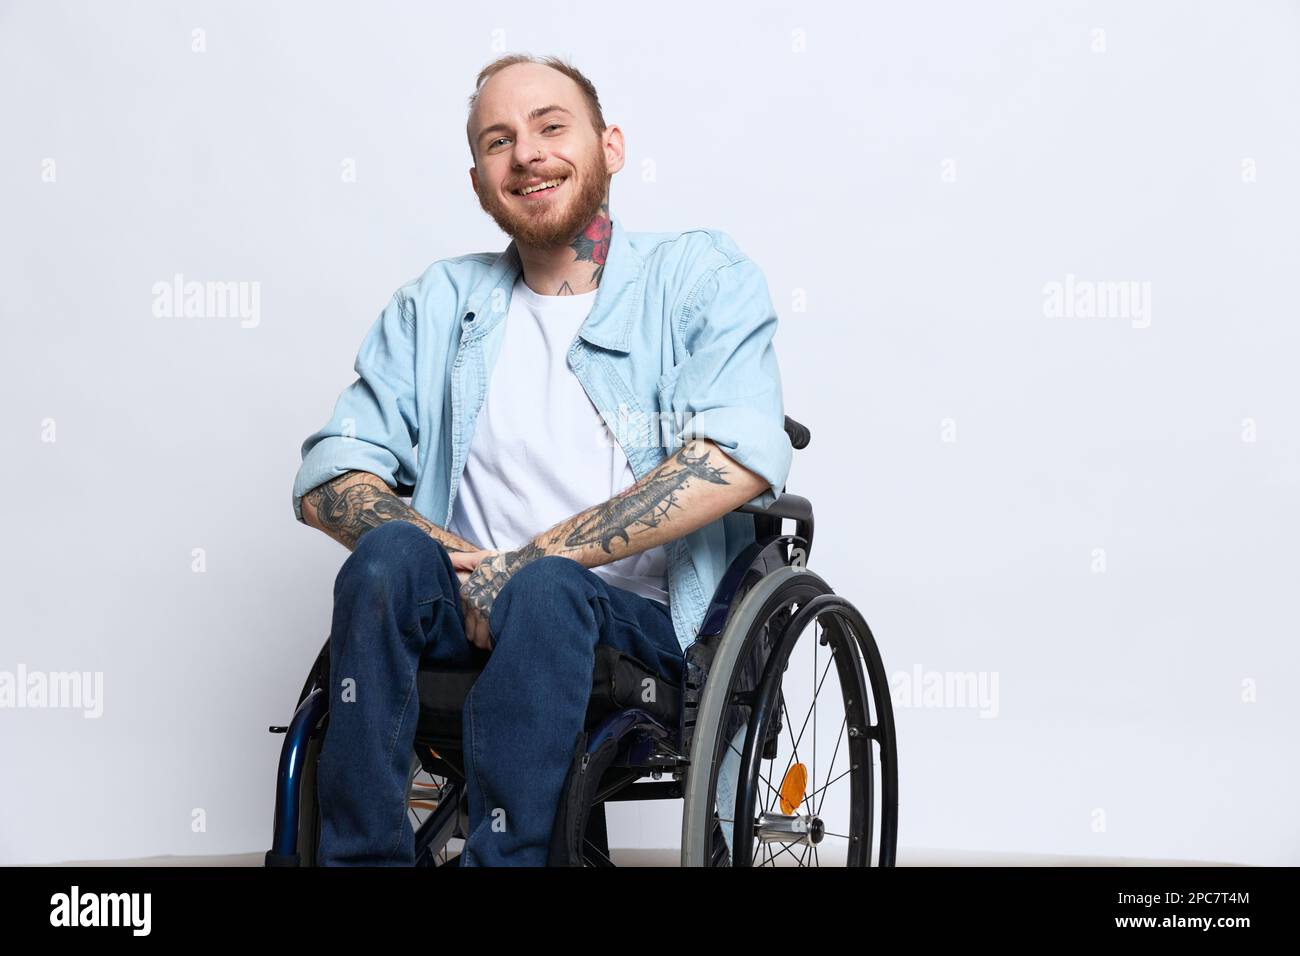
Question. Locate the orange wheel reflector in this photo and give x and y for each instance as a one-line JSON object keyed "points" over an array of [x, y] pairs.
{"points": [[792, 788], [432, 751]]}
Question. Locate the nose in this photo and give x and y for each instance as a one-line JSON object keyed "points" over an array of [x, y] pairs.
{"points": [[528, 151]]}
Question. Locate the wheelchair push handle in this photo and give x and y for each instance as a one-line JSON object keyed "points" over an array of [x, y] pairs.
{"points": [[799, 434]]}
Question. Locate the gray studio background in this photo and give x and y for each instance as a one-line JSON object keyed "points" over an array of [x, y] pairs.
{"points": [[1097, 514]]}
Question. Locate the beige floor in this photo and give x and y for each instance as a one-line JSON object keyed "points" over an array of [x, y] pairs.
{"points": [[906, 857]]}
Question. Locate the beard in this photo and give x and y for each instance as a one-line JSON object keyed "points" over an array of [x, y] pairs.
{"points": [[555, 222]]}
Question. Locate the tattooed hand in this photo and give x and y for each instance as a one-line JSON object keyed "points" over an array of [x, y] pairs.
{"points": [[466, 561], [481, 590]]}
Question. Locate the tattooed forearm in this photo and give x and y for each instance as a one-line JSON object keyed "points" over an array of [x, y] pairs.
{"points": [[348, 506], [696, 485], [646, 503]]}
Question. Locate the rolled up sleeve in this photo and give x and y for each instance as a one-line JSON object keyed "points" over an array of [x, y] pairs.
{"points": [[374, 425], [729, 388]]}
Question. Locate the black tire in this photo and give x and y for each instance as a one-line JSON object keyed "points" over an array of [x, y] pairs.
{"points": [[308, 809], [745, 701]]}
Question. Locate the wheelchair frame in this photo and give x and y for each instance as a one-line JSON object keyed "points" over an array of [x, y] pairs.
{"points": [[613, 758]]}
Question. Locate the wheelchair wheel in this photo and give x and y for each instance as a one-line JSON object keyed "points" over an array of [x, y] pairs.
{"points": [[439, 837], [784, 753]]}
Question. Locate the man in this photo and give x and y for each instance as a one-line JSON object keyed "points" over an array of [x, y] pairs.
{"points": [[580, 416]]}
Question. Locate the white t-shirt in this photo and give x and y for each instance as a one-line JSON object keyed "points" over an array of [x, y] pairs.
{"points": [[541, 453]]}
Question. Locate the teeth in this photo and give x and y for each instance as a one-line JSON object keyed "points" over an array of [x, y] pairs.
{"points": [[532, 189]]}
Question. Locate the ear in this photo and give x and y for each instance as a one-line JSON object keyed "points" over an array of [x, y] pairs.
{"points": [[614, 149]]}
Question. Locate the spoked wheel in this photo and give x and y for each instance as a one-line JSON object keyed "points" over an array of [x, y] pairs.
{"points": [[436, 809], [796, 714]]}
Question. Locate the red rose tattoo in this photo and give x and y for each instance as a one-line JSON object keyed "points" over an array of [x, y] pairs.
{"points": [[592, 244]]}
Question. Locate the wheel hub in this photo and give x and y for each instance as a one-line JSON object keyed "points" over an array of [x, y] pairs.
{"points": [[806, 829]]}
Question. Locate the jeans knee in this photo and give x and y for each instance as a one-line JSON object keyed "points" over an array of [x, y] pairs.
{"points": [[390, 554], [546, 576], [550, 592]]}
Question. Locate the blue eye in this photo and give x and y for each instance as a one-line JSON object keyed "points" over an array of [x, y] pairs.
{"points": [[548, 126]]}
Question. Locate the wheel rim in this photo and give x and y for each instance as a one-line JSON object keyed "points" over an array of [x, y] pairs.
{"points": [[827, 646], [807, 797]]}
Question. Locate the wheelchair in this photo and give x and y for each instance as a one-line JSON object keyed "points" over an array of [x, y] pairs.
{"points": [[764, 780]]}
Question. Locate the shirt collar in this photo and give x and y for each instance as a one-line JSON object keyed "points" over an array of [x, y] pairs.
{"points": [[610, 322]]}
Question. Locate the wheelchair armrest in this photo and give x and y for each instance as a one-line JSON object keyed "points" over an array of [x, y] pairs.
{"points": [[767, 521], [794, 507]]}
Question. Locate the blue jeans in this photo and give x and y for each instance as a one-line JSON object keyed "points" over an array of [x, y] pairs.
{"points": [[397, 604]]}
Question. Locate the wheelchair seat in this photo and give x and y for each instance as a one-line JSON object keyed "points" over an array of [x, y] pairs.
{"points": [[617, 684]]}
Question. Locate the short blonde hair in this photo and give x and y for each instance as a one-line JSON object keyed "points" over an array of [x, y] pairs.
{"points": [[555, 63]]}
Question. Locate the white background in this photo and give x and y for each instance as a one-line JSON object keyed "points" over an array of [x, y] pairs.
{"points": [[1149, 710]]}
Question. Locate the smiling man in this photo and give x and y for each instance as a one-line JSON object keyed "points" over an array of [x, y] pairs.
{"points": [[580, 416]]}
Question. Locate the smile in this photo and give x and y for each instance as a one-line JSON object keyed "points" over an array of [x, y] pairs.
{"points": [[541, 190]]}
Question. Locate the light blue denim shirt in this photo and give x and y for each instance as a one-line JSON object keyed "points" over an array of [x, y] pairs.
{"points": [[677, 345]]}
